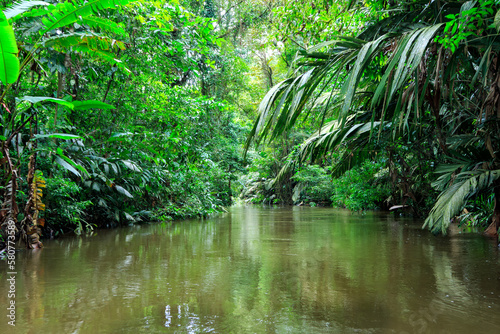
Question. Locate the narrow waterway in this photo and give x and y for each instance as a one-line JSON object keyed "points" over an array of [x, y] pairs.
{"points": [[260, 270]]}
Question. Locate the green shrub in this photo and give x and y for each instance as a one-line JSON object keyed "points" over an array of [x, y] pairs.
{"points": [[361, 188], [63, 209], [314, 185]]}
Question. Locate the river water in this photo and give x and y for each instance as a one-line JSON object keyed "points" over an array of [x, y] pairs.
{"points": [[260, 270]]}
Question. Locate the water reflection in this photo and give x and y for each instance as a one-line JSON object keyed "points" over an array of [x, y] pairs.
{"points": [[261, 270]]}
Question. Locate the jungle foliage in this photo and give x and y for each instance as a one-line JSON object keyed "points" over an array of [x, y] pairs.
{"points": [[114, 112]]}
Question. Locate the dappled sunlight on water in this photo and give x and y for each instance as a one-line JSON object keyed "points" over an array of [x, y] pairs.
{"points": [[261, 270]]}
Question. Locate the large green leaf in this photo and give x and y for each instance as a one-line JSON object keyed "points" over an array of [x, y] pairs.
{"points": [[91, 104], [131, 165], [9, 63], [69, 164], [64, 136], [497, 21], [123, 191], [120, 136], [38, 99], [75, 105]]}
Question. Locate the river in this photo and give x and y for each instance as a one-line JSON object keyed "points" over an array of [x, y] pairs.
{"points": [[259, 270]]}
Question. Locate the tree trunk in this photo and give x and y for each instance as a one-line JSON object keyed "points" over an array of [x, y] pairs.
{"points": [[30, 232], [492, 230], [61, 82]]}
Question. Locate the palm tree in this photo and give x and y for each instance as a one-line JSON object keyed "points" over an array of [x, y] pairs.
{"points": [[429, 75]]}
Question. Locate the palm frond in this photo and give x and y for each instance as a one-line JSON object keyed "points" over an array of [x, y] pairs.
{"points": [[452, 200], [334, 134], [21, 7], [363, 59], [403, 64], [66, 13], [287, 168], [284, 103]]}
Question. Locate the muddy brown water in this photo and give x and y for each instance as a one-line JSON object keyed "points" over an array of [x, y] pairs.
{"points": [[259, 270]]}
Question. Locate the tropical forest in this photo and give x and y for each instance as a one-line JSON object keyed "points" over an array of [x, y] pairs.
{"points": [[249, 166]]}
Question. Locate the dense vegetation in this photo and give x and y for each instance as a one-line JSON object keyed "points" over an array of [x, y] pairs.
{"points": [[410, 85], [116, 111]]}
